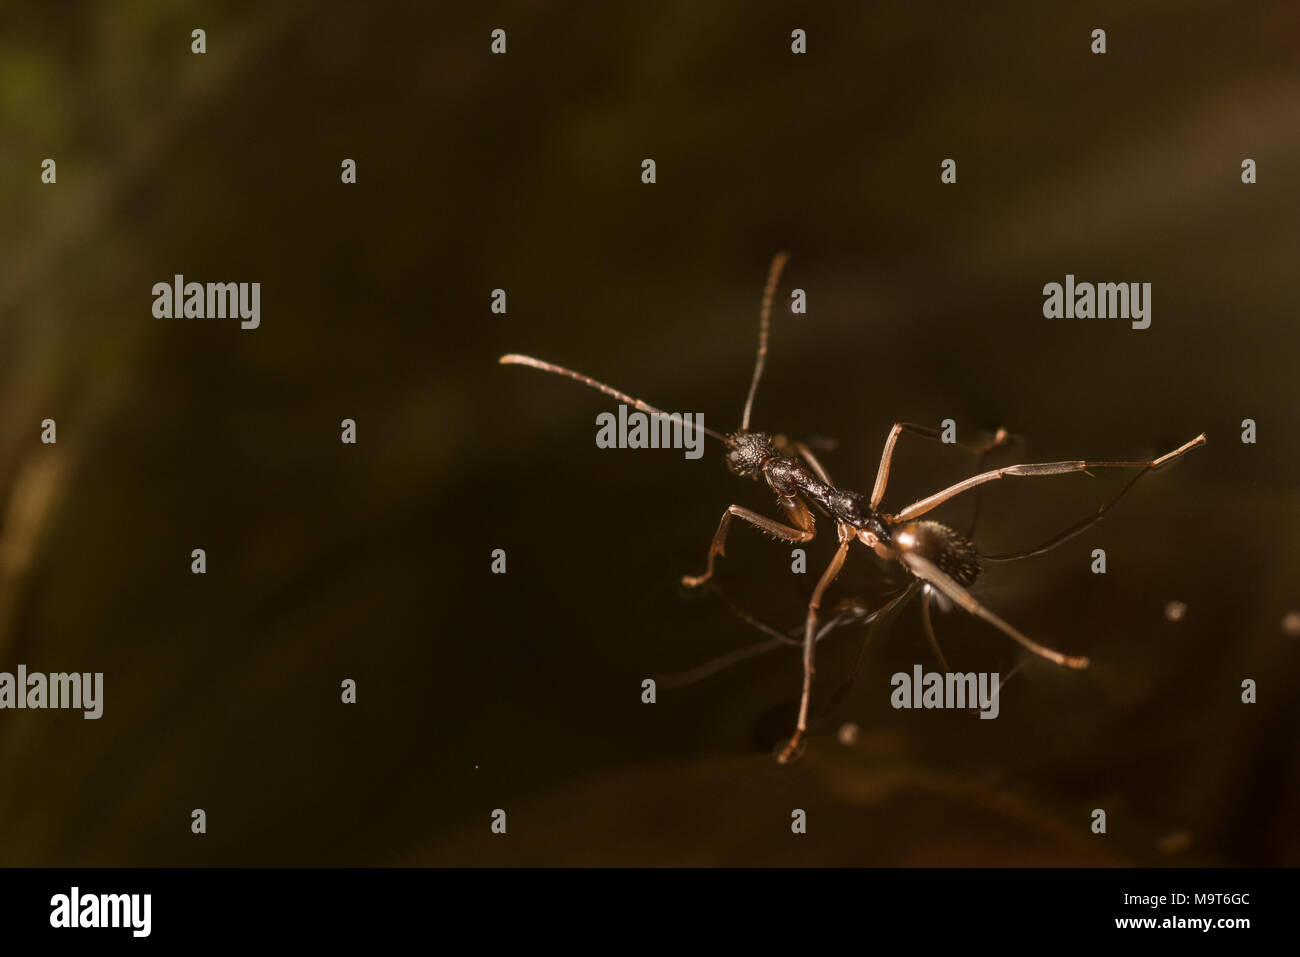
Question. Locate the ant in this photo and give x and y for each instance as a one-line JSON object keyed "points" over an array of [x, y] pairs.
{"points": [[934, 554]]}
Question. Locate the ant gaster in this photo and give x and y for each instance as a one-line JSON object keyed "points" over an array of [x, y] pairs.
{"points": [[932, 552]]}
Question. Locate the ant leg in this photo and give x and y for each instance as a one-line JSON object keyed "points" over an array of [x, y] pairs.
{"points": [[999, 439], [810, 639], [880, 618], [682, 679], [927, 571], [802, 530], [775, 636], [855, 611], [1044, 468], [927, 594], [847, 611], [886, 458], [929, 631], [1069, 533]]}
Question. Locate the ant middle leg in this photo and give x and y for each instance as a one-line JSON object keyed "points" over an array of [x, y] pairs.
{"points": [[847, 535], [803, 529]]}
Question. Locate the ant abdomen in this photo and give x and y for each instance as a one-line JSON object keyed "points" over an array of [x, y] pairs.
{"points": [[952, 552]]}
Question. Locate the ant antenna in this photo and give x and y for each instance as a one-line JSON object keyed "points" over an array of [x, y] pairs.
{"points": [[518, 360], [764, 321]]}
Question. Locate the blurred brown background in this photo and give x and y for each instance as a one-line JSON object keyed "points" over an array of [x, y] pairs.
{"points": [[522, 171]]}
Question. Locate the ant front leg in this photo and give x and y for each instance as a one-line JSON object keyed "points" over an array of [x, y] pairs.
{"points": [[802, 529]]}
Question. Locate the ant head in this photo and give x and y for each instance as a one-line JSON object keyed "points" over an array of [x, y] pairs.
{"points": [[748, 452]]}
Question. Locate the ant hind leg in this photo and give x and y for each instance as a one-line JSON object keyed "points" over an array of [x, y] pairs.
{"points": [[927, 571]]}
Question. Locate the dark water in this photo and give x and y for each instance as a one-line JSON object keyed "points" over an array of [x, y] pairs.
{"points": [[522, 691]]}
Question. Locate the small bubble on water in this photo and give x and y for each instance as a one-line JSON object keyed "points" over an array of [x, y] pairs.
{"points": [[1291, 624], [848, 734], [1176, 610]]}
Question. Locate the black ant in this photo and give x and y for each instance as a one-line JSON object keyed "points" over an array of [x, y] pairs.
{"points": [[938, 556]]}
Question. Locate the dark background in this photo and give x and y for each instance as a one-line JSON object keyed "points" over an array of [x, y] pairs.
{"points": [[522, 171]]}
